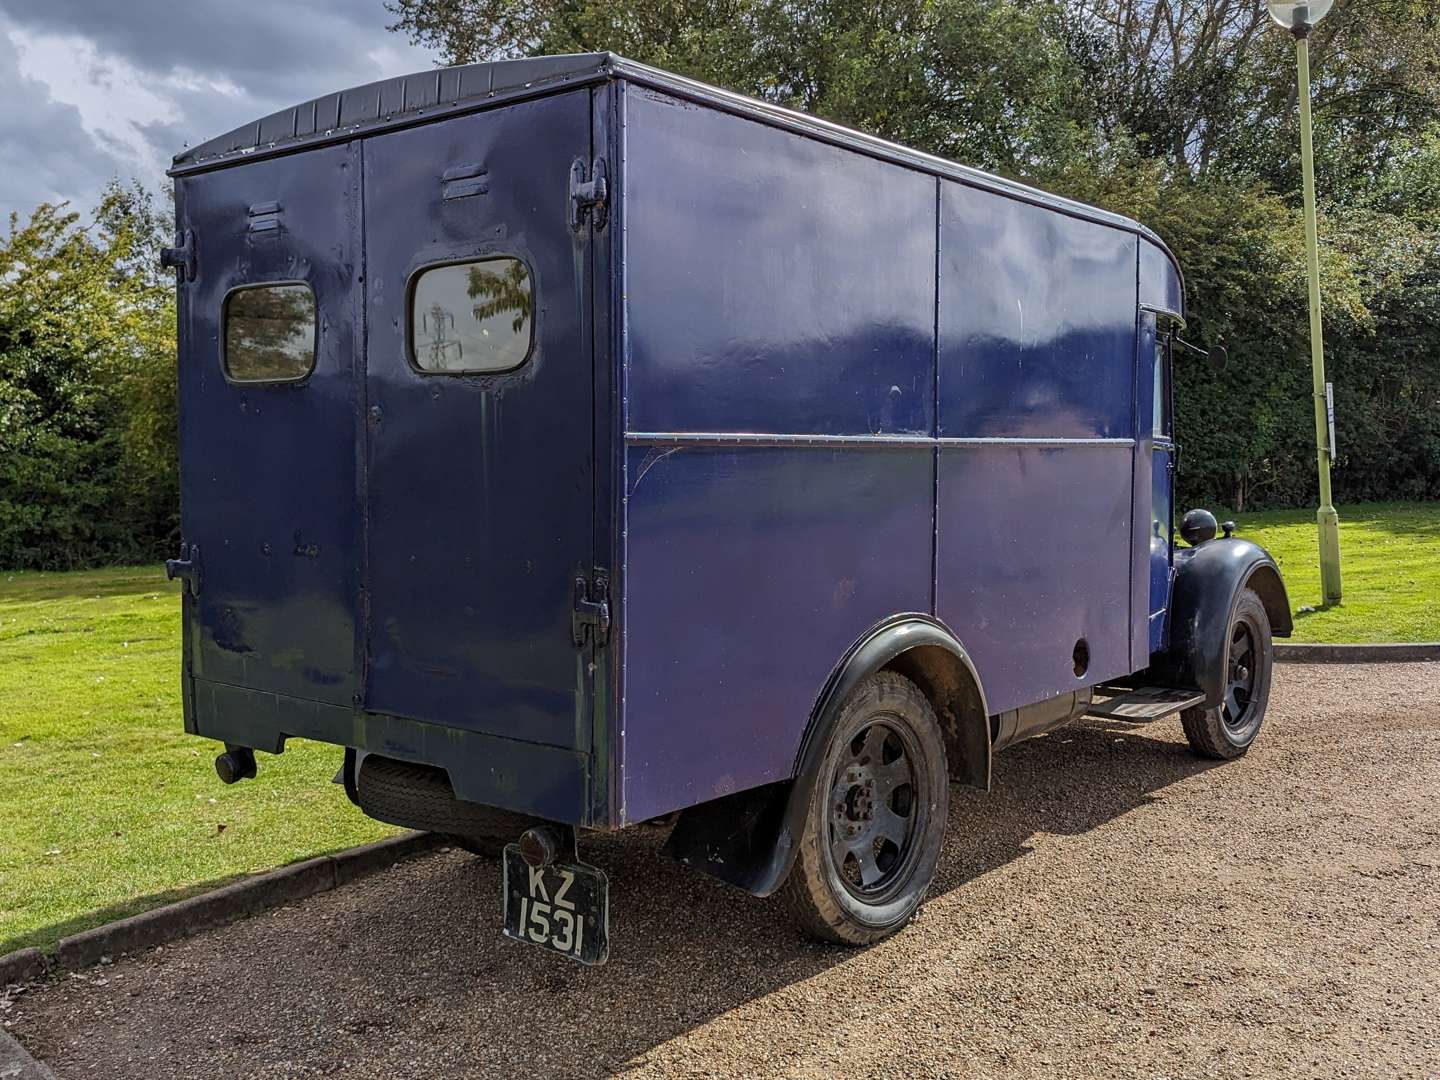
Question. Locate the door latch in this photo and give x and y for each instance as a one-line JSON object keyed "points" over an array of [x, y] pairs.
{"points": [[592, 610], [588, 197], [181, 257], [186, 568]]}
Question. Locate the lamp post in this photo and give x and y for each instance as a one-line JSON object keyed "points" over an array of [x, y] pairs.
{"points": [[1299, 16]]}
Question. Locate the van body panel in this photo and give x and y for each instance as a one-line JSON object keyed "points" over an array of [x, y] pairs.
{"points": [[1037, 426], [529, 778], [479, 486], [268, 472], [1037, 322], [1160, 286], [750, 572], [768, 288], [1009, 566]]}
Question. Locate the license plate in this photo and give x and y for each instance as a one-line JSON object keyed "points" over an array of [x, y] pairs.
{"points": [[563, 906]]}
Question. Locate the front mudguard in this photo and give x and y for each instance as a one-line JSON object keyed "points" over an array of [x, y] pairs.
{"points": [[1208, 580]]}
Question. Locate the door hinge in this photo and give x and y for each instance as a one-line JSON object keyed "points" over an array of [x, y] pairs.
{"points": [[181, 257], [186, 568], [588, 197], [592, 609]]}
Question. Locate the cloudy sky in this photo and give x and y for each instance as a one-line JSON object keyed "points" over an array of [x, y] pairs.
{"points": [[93, 89]]}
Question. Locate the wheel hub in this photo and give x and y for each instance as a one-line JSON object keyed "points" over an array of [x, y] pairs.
{"points": [[860, 801]]}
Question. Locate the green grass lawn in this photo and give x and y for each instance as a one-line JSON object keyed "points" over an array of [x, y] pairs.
{"points": [[1389, 565], [106, 806]]}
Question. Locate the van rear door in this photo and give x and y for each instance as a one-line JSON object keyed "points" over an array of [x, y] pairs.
{"points": [[479, 411], [270, 506]]}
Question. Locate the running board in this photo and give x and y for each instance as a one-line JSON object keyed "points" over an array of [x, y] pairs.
{"points": [[1144, 703]]}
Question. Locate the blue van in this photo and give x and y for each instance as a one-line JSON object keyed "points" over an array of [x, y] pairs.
{"points": [[578, 445]]}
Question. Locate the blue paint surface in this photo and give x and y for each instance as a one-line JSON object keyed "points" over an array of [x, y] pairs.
{"points": [[1034, 556], [268, 473], [749, 573], [479, 485], [1037, 321], [770, 287]]}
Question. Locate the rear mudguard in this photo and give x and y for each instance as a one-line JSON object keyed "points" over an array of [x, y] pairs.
{"points": [[1208, 580], [749, 839]]}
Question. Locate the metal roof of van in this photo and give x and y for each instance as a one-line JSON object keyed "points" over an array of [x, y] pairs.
{"points": [[412, 99], [340, 115]]}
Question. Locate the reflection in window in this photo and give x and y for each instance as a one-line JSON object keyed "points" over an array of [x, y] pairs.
{"points": [[472, 317], [270, 333], [1160, 399]]}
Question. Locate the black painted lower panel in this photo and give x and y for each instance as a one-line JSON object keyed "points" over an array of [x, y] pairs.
{"points": [[528, 778]]}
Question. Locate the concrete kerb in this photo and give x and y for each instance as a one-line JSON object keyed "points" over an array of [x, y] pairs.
{"points": [[207, 911], [16, 1062], [1307, 653]]}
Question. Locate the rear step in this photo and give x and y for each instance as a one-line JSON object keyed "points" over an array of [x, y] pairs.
{"points": [[1144, 703]]}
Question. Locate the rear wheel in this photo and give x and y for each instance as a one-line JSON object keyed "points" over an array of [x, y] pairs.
{"points": [[876, 818], [1227, 730]]}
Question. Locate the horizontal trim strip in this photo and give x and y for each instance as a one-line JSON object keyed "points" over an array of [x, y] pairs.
{"points": [[722, 438]]}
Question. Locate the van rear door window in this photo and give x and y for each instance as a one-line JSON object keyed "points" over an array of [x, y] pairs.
{"points": [[270, 333], [471, 317]]}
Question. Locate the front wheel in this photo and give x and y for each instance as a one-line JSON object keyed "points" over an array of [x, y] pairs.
{"points": [[876, 818], [1227, 730]]}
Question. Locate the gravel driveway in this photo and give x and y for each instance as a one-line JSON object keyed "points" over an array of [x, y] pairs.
{"points": [[1116, 907]]}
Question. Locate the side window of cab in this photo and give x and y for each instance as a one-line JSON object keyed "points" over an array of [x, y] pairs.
{"points": [[1161, 423]]}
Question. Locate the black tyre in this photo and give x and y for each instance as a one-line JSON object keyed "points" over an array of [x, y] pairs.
{"points": [[420, 797], [876, 819], [1227, 730]]}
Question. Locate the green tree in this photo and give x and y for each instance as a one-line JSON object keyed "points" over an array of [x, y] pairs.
{"points": [[87, 468], [980, 80], [1211, 83]]}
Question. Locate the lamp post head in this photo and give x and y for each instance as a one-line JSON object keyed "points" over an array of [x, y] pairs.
{"points": [[1298, 16]]}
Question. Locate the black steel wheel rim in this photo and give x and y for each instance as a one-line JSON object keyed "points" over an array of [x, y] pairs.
{"points": [[1240, 676], [876, 805]]}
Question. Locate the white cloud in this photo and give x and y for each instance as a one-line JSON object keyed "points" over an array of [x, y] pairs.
{"points": [[112, 98], [92, 92]]}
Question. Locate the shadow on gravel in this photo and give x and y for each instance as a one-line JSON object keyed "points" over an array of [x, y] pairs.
{"points": [[415, 955]]}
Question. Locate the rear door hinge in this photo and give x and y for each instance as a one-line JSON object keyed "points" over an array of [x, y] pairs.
{"points": [[181, 257], [592, 609], [186, 568], [589, 193]]}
